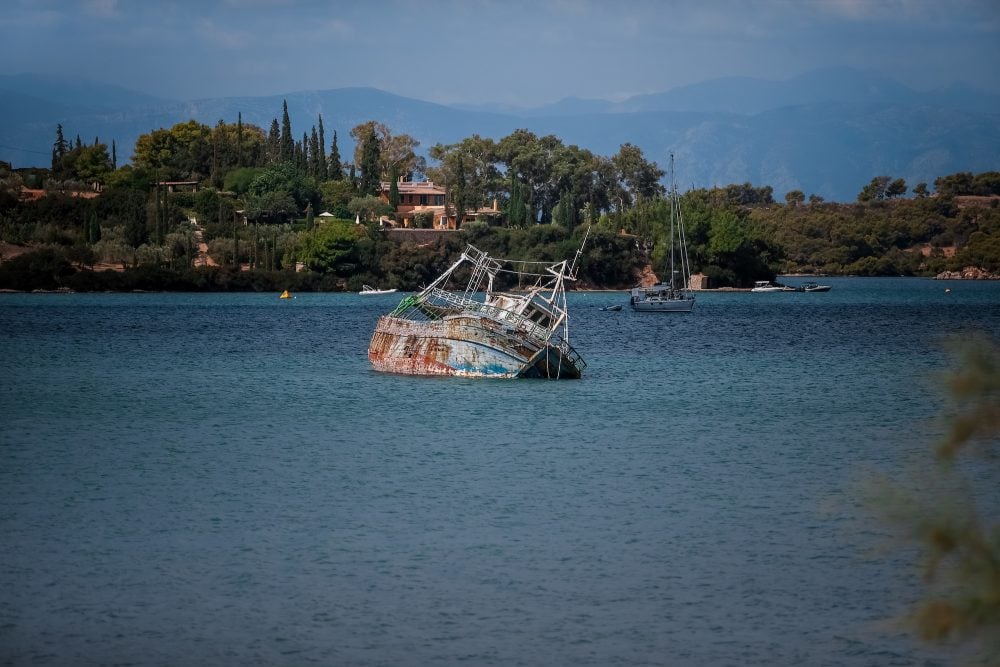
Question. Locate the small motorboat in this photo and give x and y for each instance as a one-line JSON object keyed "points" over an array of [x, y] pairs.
{"points": [[368, 290], [612, 308], [814, 287], [766, 286]]}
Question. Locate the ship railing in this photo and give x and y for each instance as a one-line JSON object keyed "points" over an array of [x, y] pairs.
{"points": [[443, 298], [515, 320]]}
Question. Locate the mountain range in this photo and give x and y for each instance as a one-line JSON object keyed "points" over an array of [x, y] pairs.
{"points": [[826, 132]]}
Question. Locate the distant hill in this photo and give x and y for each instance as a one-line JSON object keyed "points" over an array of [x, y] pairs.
{"points": [[826, 132]]}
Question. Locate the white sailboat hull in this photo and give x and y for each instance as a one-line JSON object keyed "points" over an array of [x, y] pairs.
{"points": [[681, 305]]}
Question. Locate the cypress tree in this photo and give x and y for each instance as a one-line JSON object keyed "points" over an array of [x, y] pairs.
{"points": [[304, 154], [287, 142], [335, 173], [322, 152], [93, 228], [236, 247], [394, 189], [370, 177], [459, 198], [114, 156], [517, 207], [314, 155], [163, 217], [273, 143], [60, 147], [239, 139]]}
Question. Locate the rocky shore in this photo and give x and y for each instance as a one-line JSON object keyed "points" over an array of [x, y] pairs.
{"points": [[968, 273]]}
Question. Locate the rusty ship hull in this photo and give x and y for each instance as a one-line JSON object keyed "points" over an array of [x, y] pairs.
{"points": [[467, 345], [480, 331]]}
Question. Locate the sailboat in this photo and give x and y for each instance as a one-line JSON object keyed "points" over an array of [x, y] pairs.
{"points": [[674, 296]]}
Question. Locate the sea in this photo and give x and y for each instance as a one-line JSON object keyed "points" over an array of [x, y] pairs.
{"points": [[222, 479]]}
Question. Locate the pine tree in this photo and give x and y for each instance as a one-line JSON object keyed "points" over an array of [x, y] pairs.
{"points": [[287, 142], [79, 144], [335, 173], [322, 152], [114, 156]]}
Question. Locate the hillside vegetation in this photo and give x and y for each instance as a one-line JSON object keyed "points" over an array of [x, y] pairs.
{"points": [[250, 221]]}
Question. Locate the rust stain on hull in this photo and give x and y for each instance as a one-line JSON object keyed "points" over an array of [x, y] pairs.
{"points": [[463, 346], [478, 331]]}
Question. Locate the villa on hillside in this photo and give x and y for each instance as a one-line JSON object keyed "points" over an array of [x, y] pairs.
{"points": [[424, 197]]}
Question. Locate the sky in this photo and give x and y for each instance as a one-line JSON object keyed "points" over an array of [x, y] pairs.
{"points": [[512, 52]]}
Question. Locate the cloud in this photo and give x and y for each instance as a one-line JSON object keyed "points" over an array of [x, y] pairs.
{"points": [[213, 34], [102, 8]]}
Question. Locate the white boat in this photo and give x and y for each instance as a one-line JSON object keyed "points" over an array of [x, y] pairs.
{"points": [[673, 296], [368, 290], [768, 286], [815, 287]]}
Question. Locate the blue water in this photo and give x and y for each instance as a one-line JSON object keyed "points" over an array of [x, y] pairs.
{"points": [[221, 479]]}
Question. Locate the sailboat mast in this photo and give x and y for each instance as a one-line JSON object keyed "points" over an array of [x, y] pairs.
{"points": [[673, 200]]}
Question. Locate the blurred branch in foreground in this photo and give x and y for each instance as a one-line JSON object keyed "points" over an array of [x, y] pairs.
{"points": [[950, 513]]}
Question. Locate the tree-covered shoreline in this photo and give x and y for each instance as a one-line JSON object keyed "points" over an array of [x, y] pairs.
{"points": [[250, 220]]}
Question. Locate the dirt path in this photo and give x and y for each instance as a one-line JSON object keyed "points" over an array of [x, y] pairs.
{"points": [[202, 258]]}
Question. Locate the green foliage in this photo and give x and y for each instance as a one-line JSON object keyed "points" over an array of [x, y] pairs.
{"points": [[273, 187], [239, 180], [270, 207], [368, 208], [795, 197], [335, 196], [287, 146], [370, 175], [881, 188], [394, 188], [211, 207], [947, 507], [423, 220], [517, 209], [334, 170], [333, 248], [639, 177], [125, 207], [966, 183], [901, 237], [42, 269]]}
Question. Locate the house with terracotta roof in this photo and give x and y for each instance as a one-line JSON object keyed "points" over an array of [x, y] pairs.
{"points": [[424, 197]]}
